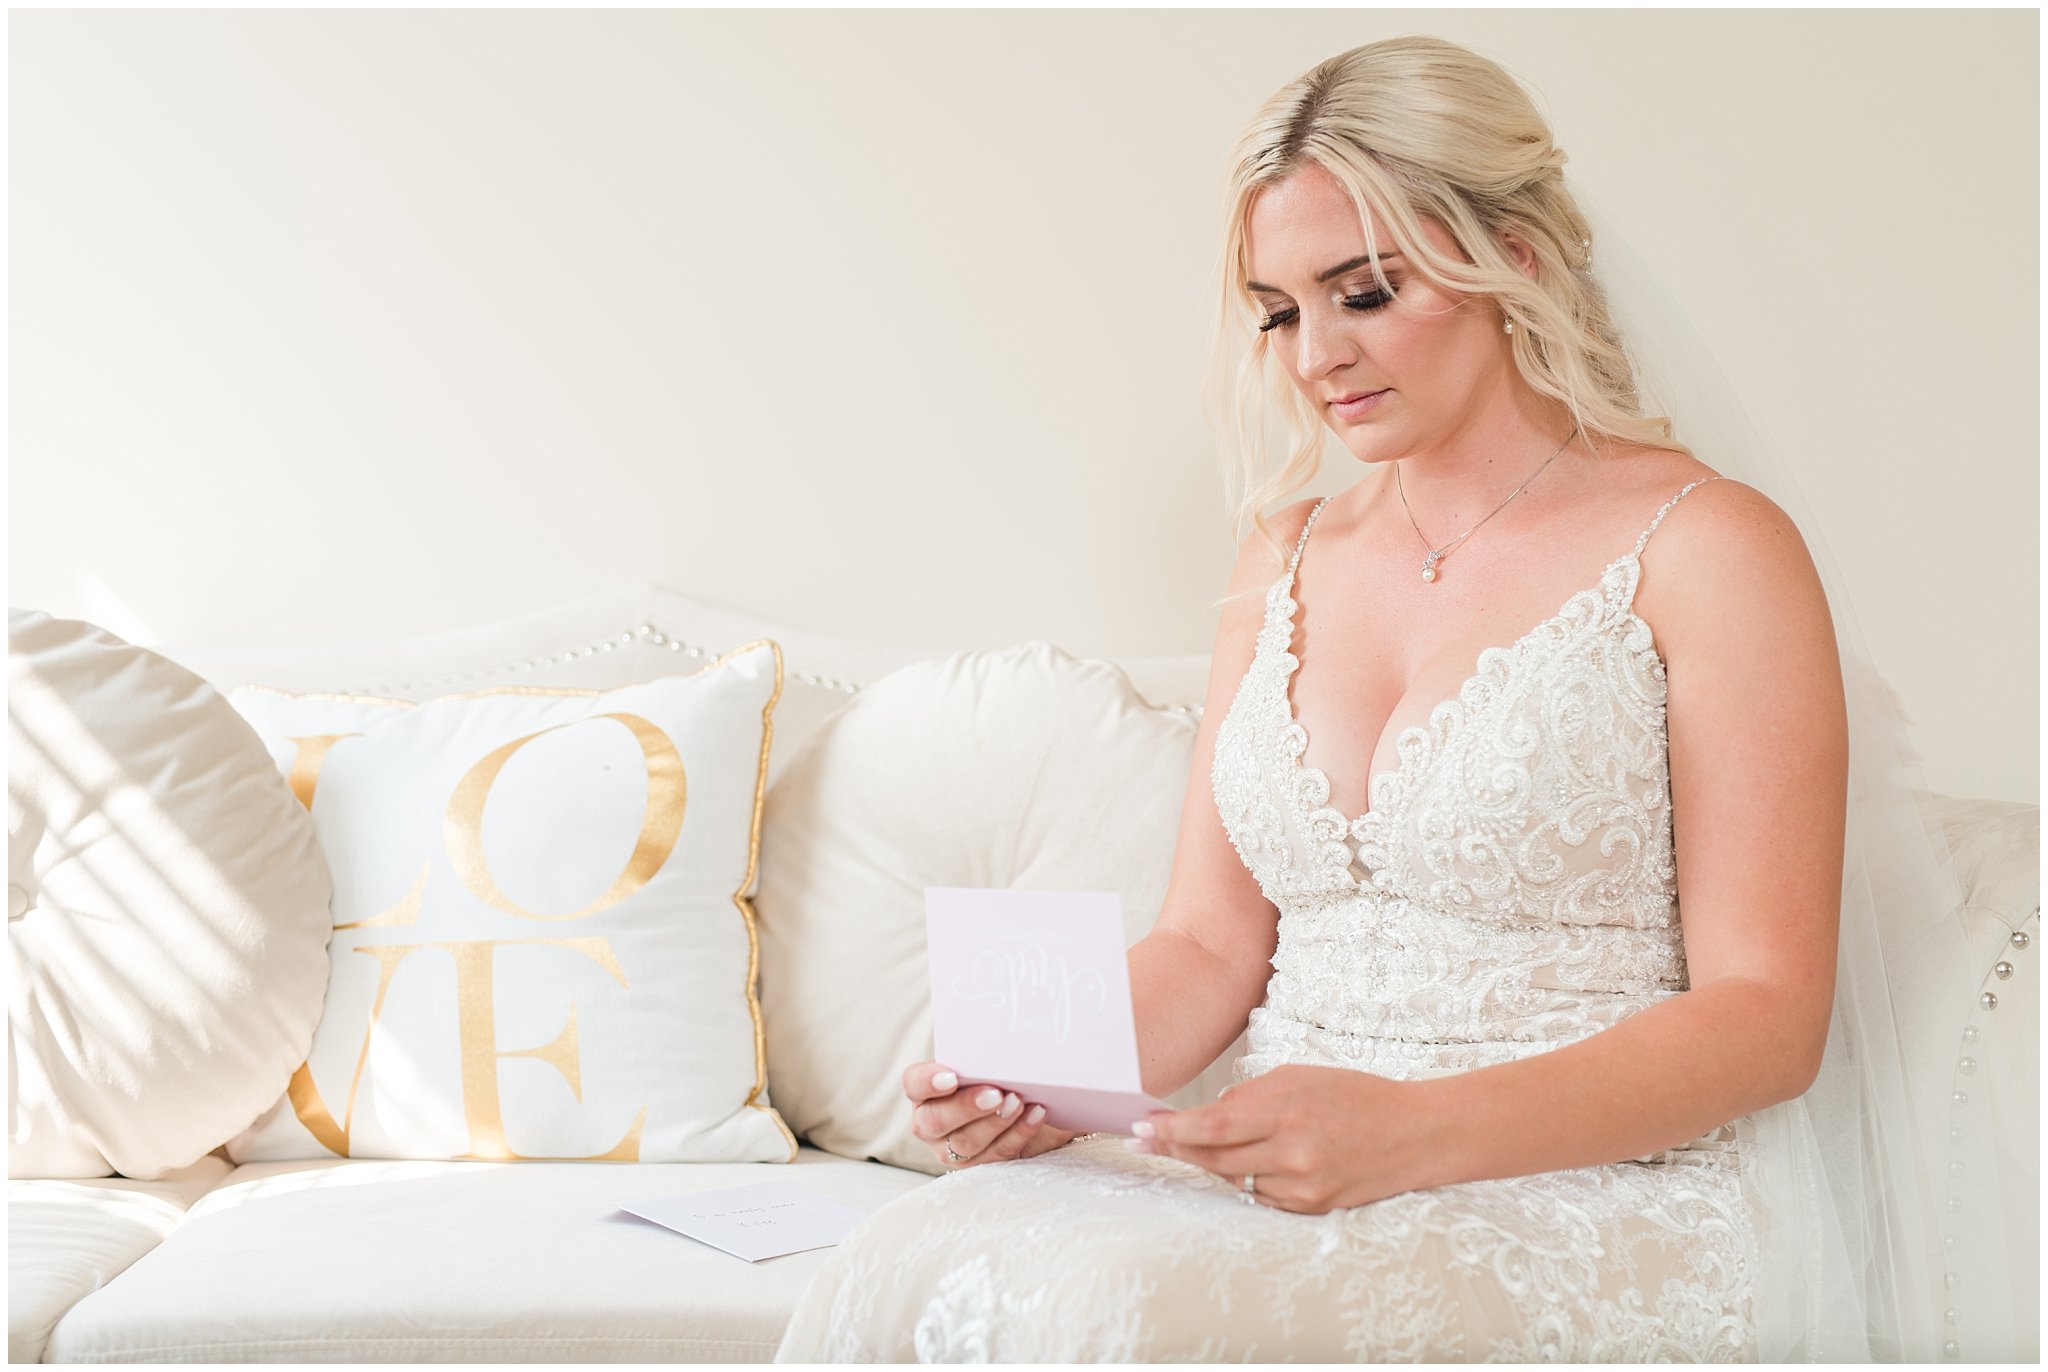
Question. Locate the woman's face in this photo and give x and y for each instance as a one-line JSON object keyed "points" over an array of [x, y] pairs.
{"points": [[1441, 359]]}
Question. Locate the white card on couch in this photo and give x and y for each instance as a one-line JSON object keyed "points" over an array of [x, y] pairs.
{"points": [[763, 1220], [1031, 991]]}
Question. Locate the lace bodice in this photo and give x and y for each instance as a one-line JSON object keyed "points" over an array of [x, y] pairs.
{"points": [[1513, 886]]}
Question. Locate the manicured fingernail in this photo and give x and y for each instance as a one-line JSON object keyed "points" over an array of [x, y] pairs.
{"points": [[1010, 1104], [988, 1097], [1034, 1114], [1138, 1145], [946, 1081], [1143, 1129]]}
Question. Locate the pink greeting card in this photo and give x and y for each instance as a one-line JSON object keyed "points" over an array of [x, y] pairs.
{"points": [[1031, 992]]}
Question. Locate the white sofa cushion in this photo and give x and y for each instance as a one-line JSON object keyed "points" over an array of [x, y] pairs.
{"points": [[167, 910], [615, 638], [67, 1238], [1024, 768], [544, 938], [371, 1261]]}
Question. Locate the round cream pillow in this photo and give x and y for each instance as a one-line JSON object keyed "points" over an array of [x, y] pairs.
{"points": [[167, 910], [1022, 768]]}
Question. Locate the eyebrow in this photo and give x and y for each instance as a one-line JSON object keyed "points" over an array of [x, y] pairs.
{"points": [[1337, 270]]}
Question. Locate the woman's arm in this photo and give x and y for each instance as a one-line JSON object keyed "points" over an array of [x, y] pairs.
{"points": [[1188, 1005], [1656, 1080], [1197, 976], [1758, 730]]}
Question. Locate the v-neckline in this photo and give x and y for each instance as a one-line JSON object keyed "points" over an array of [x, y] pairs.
{"points": [[1404, 757]]}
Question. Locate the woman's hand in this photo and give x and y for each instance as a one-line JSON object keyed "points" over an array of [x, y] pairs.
{"points": [[1317, 1138], [981, 1125]]}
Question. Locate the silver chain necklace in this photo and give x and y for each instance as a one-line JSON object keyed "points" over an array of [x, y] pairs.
{"points": [[1436, 554]]}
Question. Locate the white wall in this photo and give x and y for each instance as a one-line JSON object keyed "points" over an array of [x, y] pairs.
{"points": [[332, 325]]}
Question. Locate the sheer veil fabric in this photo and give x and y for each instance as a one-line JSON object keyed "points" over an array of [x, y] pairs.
{"points": [[1880, 1230]]}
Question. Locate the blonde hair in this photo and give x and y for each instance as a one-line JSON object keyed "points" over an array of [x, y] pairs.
{"points": [[1417, 127]]}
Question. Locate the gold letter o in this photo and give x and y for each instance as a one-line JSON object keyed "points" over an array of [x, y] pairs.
{"points": [[659, 827]]}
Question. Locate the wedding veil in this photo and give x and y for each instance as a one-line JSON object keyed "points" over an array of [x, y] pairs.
{"points": [[1879, 1222]]}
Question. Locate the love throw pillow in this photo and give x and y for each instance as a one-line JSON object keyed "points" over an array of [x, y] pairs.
{"points": [[544, 941]]}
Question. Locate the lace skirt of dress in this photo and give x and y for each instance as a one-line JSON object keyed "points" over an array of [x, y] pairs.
{"points": [[1092, 1253]]}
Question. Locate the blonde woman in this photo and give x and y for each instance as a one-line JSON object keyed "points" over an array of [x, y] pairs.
{"points": [[1478, 729]]}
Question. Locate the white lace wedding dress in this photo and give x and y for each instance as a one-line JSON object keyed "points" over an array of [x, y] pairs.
{"points": [[1512, 889]]}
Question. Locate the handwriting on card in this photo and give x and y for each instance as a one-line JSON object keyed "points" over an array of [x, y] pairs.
{"points": [[1037, 986]]}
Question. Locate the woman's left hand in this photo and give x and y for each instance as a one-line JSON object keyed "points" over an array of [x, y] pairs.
{"points": [[1317, 1138]]}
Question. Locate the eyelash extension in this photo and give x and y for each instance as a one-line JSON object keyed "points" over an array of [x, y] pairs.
{"points": [[1364, 304]]}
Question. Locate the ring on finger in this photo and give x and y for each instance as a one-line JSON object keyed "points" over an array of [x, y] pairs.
{"points": [[951, 1154], [972, 1138], [1250, 1192]]}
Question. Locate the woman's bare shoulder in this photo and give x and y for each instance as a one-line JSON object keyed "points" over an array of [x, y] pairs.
{"points": [[1257, 556], [1262, 555], [1727, 560], [1719, 518], [1716, 511]]}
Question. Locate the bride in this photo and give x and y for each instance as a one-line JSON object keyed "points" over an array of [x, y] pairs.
{"points": [[1474, 738]]}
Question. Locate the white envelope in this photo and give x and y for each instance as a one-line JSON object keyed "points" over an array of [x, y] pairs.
{"points": [[762, 1220]]}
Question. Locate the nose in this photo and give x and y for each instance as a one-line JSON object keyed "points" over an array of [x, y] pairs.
{"points": [[1324, 346]]}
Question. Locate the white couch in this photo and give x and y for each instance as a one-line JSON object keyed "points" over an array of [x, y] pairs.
{"points": [[369, 1260]]}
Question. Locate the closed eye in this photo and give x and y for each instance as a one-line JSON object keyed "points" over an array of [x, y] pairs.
{"points": [[1364, 304]]}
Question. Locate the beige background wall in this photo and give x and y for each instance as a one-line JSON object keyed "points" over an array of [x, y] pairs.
{"points": [[349, 325]]}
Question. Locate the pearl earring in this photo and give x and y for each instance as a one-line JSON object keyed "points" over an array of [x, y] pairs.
{"points": [[1508, 327]]}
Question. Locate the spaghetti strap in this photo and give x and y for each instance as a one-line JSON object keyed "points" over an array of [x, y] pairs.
{"points": [[1645, 538], [1302, 541]]}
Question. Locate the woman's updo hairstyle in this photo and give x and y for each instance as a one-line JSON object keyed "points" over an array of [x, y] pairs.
{"points": [[1418, 127]]}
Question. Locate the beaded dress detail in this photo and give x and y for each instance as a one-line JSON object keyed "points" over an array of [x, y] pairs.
{"points": [[1512, 889]]}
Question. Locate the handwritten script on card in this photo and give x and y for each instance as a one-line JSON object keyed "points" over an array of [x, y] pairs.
{"points": [[1035, 987], [1031, 992]]}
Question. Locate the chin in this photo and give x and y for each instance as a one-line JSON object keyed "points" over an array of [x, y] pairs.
{"points": [[1373, 454]]}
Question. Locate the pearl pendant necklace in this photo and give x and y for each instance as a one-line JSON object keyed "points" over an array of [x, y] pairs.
{"points": [[1435, 555]]}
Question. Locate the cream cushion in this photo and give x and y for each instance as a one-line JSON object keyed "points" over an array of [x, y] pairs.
{"points": [[1022, 768], [67, 1238], [543, 931], [458, 1262], [167, 910]]}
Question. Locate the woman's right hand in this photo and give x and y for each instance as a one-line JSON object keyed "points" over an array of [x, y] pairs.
{"points": [[981, 1124]]}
